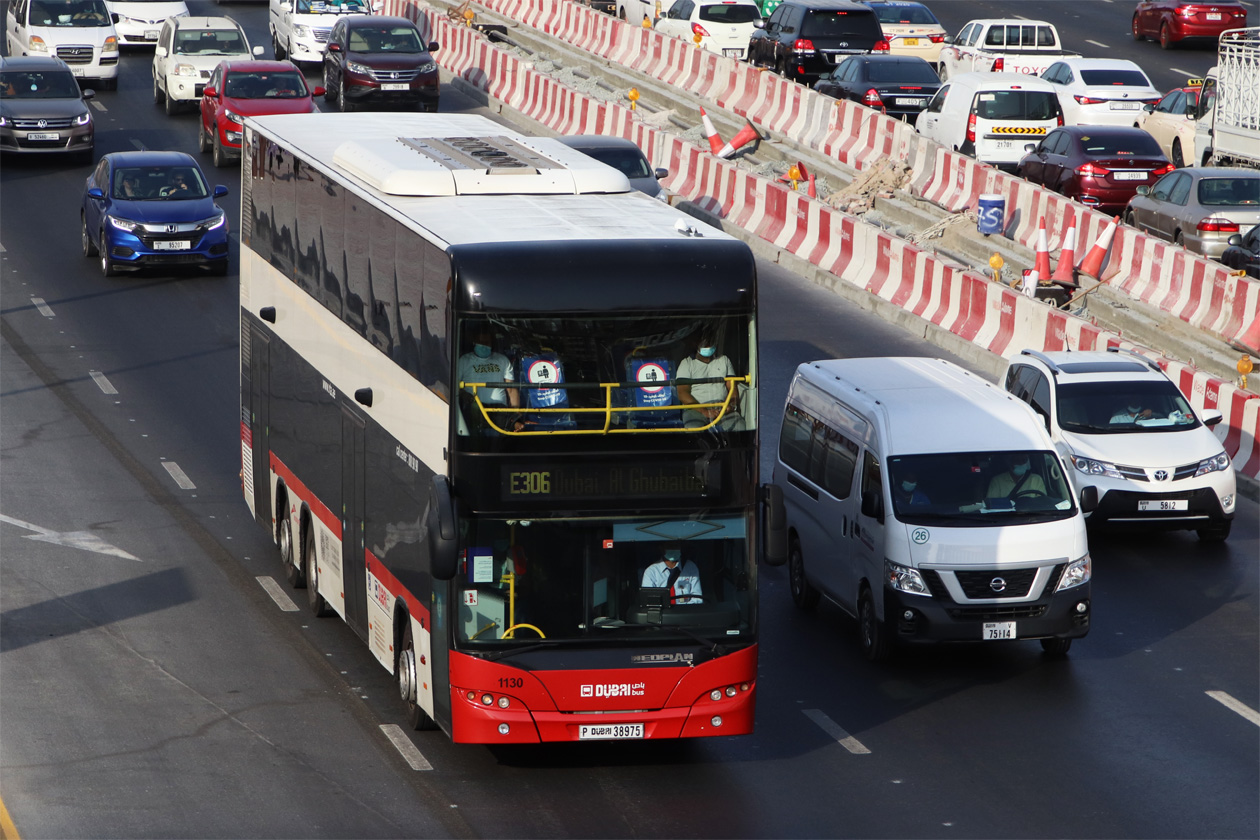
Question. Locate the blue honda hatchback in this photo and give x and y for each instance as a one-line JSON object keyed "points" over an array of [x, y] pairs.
{"points": [[153, 209]]}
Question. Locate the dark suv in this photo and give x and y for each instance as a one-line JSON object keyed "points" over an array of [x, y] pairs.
{"points": [[377, 60], [803, 39]]}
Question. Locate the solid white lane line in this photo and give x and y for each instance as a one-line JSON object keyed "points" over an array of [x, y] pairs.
{"points": [[833, 729], [102, 383], [44, 309], [404, 746], [1235, 706], [1097, 44], [184, 482], [282, 599]]}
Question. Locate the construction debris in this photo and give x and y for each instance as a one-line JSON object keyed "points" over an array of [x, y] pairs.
{"points": [[878, 181]]}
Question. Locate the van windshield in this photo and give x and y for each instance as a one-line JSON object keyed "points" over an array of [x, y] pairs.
{"points": [[966, 489], [69, 13], [1016, 105]]}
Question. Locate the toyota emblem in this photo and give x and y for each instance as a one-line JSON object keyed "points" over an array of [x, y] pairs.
{"points": [[997, 584], [1161, 475]]}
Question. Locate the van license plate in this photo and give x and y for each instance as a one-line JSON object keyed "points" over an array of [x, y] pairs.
{"points": [[609, 731], [394, 86], [999, 630], [1004, 145], [76, 71], [1163, 504]]}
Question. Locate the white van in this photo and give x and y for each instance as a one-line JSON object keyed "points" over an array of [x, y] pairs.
{"points": [[931, 505], [79, 32], [300, 28], [188, 49], [991, 116]]}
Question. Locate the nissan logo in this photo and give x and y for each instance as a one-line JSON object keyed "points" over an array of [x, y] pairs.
{"points": [[1161, 475], [997, 584]]}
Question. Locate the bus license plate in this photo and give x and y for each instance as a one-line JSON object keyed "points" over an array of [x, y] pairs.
{"points": [[394, 86], [53, 136], [609, 731], [1163, 504], [999, 630], [172, 245]]}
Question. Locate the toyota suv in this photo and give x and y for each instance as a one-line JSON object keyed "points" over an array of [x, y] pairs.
{"points": [[1132, 438], [803, 39]]}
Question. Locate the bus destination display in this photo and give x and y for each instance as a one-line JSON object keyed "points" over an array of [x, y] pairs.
{"points": [[687, 480]]}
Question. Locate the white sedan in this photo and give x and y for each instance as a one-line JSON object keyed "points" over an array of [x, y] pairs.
{"points": [[720, 26], [1100, 91]]}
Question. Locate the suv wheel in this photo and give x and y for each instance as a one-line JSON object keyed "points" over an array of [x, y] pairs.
{"points": [[158, 95], [1216, 532]]}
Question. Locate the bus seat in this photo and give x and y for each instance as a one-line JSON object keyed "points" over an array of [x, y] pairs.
{"points": [[540, 369], [646, 370]]}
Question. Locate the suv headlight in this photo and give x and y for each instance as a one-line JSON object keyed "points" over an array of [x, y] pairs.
{"points": [[361, 69], [232, 116], [122, 224], [429, 67], [301, 31], [185, 70], [84, 118], [1217, 463], [904, 579], [1077, 573], [1091, 467], [214, 222]]}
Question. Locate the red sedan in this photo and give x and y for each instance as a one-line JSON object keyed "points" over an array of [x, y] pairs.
{"points": [[1175, 20], [239, 89], [1099, 166]]}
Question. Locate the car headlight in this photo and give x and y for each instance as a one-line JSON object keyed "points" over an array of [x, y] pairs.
{"points": [[185, 70], [904, 579], [37, 45], [1217, 463], [1077, 573], [123, 224], [3, 121], [1091, 467], [361, 69], [301, 31], [232, 116], [429, 67], [84, 118], [111, 44], [214, 222]]}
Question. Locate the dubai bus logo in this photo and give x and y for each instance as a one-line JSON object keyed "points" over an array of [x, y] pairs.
{"points": [[614, 690]]}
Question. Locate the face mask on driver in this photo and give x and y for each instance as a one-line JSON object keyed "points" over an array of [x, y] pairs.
{"points": [[908, 486], [1019, 469], [482, 350]]}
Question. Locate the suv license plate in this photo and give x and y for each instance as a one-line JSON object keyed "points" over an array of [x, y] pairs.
{"points": [[76, 71], [609, 731], [394, 86], [1163, 504], [172, 245], [53, 136], [998, 631]]}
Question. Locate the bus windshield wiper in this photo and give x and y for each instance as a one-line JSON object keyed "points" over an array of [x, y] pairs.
{"points": [[503, 654], [711, 644]]}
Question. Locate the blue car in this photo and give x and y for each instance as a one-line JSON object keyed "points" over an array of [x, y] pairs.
{"points": [[153, 209]]}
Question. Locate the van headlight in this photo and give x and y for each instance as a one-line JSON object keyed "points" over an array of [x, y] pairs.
{"points": [[1091, 467], [1077, 573], [904, 579], [37, 45], [301, 31], [1217, 463]]}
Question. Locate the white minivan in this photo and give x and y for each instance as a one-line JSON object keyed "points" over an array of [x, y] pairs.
{"points": [[991, 116], [931, 505], [79, 32], [300, 28]]}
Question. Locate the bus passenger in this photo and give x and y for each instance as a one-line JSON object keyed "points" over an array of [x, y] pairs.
{"points": [[705, 363], [484, 365], [680, 577]]}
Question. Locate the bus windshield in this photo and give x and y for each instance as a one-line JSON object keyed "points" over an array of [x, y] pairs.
{"points": [[603, 579], [969, 489]]}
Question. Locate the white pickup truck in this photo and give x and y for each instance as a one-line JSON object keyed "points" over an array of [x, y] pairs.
{"points": [[1228, 129], [1010, 46]]}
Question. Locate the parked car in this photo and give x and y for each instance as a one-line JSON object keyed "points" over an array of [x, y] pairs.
{"points": [[803, 39], [991, 116], [1199, 208], [375, 60], [1243, 252], [188, 50], [1100, 91], [243, 88], [79, 32], [146, 209], [1131, 436], [723, 26], [911, 29], [1171, 21], [138, 22], [1171, 121], [899, 86], [1099, 166], [623, 155], [42, 109]]}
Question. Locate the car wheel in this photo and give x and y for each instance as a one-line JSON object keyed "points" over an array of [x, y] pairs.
{"points": [[220, 159], [1056, 647], [203, 139], [804, 595], [343, 102], [276, 49], [871, 630], [1179, 240], [1137, 32], [172, 107], [106, 264], [621, 13], [1129, 220], [944, 72], [89, 245], [1165, 37], [319, 607], [330, 93], [1216, 532], [158, 96], [1178, 159]]}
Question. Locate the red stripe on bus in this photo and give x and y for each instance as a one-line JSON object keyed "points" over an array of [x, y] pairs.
{"points": [[418, 611], [297, 488]]}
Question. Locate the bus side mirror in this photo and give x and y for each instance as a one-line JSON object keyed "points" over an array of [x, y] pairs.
{"points": [[873, 506], [774, 525], [443, 556], [1089, 499]]}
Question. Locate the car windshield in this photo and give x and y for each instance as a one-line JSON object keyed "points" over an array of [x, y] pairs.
{"points": [[730, 13], [332, 7], [69, 13], [1129, 78], [1108, 145], [1230, 192], [1120, 407], [209, 42], [966, 489], [897, 13], [38, 84], [159, 183], [629, 162], [601, 579], [825, 23], [385, 39], [1016, 105], [282, 84], [914, 72]]}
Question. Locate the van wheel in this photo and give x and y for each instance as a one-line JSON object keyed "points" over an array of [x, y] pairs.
{"points": [[409, 681], [276, 49], [871, 630], [1216, 532], [319, 607], [1056, 647], [1178, 159], [803, 594]]}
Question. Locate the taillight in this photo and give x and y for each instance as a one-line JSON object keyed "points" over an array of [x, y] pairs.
{"points": [[1188, 11], [1218, 226], [1088, 100], [999, 64], [873, 100], [697, 29], [881, 45], [803, 45], [1059, 118], [971, 128], [1091, 170], [1163, 170], [937, 39]]}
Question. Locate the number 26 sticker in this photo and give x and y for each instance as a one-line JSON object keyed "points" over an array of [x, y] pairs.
{"points": [[919, 535]]}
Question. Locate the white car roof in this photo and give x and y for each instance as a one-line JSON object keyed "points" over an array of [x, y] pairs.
{"points": [[187, 22], [1102, 63], [1096, 366]]}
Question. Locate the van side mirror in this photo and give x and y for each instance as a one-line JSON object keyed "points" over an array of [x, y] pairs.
{"points": [[443, 556], [160, 51], [114, 17], [774, 525], [1089, 499], [873, 506]]}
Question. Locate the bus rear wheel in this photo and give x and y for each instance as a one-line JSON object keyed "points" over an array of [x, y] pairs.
{"points": [[409, 682], [292, 568], [319, 607]]}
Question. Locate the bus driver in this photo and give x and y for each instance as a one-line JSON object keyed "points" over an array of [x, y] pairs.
{"points": [[680, 577]]}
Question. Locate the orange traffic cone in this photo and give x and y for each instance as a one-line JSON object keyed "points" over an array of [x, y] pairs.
{"points": [[746, 135], [1064, 271], [1043, 251], [715, 139], [1091, 266]]}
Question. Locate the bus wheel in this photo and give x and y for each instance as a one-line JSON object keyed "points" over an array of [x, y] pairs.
{"points": [[409, 682], [319, 607], [292, 568], [873, 636], [805, 596]]}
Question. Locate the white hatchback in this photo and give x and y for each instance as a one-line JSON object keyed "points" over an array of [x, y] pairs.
{"points": [[720, 26], [1100, 91]]}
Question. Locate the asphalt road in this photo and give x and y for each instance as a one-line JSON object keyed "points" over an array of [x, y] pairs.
{"points": [[151, 687]]}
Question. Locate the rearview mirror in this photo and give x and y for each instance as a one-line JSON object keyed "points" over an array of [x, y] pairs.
{"points": [[319, 91], [334, 47], [160, 52], [1030, 147], [1089, 499], [1235, 239], [434, 46], [96, 192], [1143, 190], [220, 191], [1212, 416], [257, 51], [210, 92], [661, 173]]}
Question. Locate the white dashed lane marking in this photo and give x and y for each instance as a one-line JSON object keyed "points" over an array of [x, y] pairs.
{"points": [[1235, 706], [44, 308], [1097, 44], [184, 482], [98, 105], [405, 748], [282, 599], [102, 382], [833, 729]]}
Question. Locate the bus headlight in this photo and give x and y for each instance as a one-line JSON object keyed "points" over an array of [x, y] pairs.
{"points": [[904, 579], [1077, 573]]}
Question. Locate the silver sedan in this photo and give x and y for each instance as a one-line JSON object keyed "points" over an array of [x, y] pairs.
{"points": [[1199, 207]]}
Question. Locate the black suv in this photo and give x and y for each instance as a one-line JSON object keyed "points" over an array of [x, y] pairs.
{"points": [[803, 39], [378, 60]]}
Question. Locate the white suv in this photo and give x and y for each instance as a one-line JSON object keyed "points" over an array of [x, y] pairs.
{"points": [[187, 51], [1133, 439]]}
